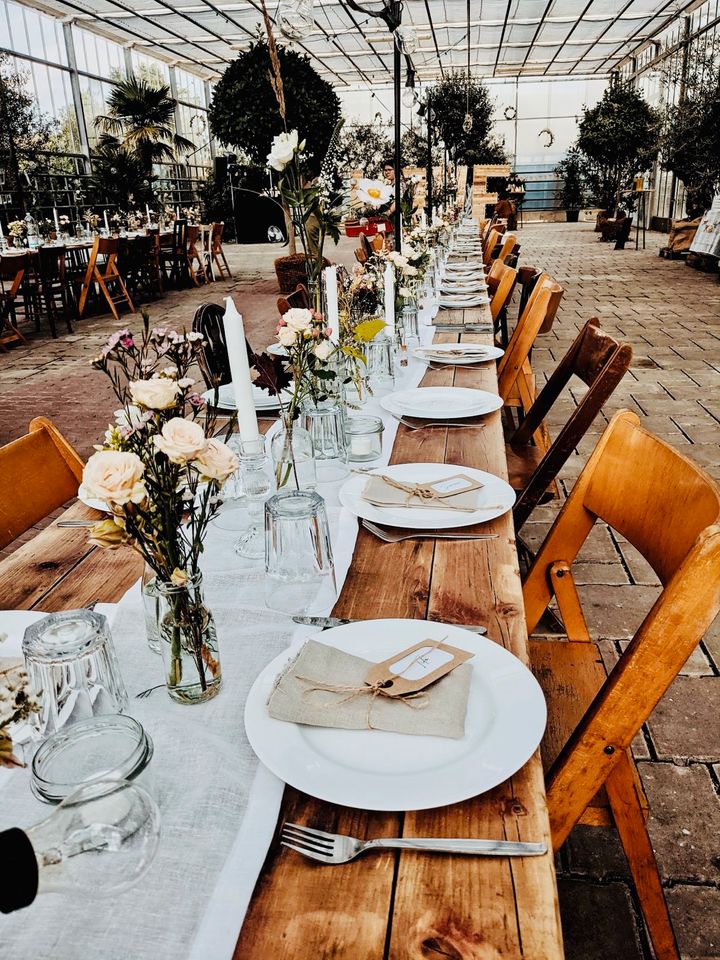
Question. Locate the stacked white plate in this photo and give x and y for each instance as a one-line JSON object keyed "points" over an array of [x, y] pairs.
{"points": [[441, 403], [460, 354], [226, 398], [455, 301]]}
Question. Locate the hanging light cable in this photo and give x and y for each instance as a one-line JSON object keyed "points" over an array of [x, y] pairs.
{"points": [[468, 121]]}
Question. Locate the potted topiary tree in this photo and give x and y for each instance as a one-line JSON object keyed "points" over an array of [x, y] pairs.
{"points": [[572, 186]]}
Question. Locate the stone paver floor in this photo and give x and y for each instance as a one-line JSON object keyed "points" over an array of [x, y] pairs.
{"points": [[671, 316]]}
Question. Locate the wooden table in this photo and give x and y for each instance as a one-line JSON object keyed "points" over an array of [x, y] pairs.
{"points": [[400, 906]]}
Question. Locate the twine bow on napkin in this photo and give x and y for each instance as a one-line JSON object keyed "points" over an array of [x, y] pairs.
{"points": [[424, 493]]}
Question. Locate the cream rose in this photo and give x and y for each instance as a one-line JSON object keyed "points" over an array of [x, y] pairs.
{"points": [[282, 150], [216, 462], [299, 319], [181, 440], [286, 336], [156, 394], [323, 350], [114, 476]]}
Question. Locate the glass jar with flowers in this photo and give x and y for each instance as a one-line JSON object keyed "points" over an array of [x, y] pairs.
{"points": [[159, 474]]}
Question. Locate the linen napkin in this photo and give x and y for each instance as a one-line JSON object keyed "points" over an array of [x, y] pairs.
{"points": [[301, 695], [384, 491]]}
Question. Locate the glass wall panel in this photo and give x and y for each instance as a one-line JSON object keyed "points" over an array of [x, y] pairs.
{"points": [[94, 95], [190, 88], [95, 54], [150, 69]]}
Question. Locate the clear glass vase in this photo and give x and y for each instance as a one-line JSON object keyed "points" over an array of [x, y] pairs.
{"points": [[293, 457], [188, 642]]}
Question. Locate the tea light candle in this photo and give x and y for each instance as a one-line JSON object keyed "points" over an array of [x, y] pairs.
{"points": [[364, 436]]}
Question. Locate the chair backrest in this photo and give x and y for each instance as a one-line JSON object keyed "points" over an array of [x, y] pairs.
{"points": [[506, 277], [527, 278], [51, 263], [366, 246], [669, 510], [377, 242], [217, 234], [12, 271], [509, 242], [493, 238], [600, 362], [213, 359], [193, 232], [180, 228], [300, 297], [40, 472], [544, 301]]}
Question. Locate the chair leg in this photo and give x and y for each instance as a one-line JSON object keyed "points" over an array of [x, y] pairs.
{"points": [[622, 789]]}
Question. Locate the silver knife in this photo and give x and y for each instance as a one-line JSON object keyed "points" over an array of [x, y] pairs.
{"points": [[326, 622]]}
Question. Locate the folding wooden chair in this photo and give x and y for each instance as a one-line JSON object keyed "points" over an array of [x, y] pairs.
{"points": [[194, 257], [510, 248], [213, 358], [41, 471], [300, 298], [12, 271], [516, 381], [505, 278], [218, 254], [668, 509], [105, 275], [493, 239], [600, 362]]}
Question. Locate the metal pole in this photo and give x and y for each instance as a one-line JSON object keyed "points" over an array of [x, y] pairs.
{"points": [[429, 160], [397, 14]]}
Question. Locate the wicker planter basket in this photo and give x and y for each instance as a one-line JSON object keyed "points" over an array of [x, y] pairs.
{"points": [[290, 271]]}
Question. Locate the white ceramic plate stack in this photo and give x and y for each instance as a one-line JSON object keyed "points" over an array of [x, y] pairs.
{"points": [[459, 354], [457, 301], [377, 770], [441, 403], [226, 398], [495, 497]]}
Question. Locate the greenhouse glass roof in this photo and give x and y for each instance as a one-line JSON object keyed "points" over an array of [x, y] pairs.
{"points": [[507, 37]]}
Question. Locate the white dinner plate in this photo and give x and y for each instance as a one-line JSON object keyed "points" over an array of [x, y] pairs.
{"points": [[277, 350], [377, 770], [497, 496], [226, 398], [443, 352], [94, 504], [14, 623], [441, 403]]}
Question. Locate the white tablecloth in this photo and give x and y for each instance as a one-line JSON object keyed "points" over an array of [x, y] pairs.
{"points": [[219, 805]]}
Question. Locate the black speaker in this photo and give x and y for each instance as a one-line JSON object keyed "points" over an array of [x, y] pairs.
{"points": [[221, 166]]}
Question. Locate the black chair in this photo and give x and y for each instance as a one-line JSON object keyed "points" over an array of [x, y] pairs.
{"points": [[213, 359], [54, 287], [175, 256]]}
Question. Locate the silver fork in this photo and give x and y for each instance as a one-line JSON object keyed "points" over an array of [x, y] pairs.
{"points": [[390, 536], [337, 848], [436, 423]]}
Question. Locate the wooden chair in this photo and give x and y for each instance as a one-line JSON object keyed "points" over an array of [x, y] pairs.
{"points": [[174, 256], [510, 248], [505, 284], [206, 251], [300, 297], [218, 254], [600, 362], [105, 276], [194, 256], [493, 239], [668, 509], [54, 287], [41, 471], [514, 371], [213, 359], [527, 279], [12, 272]]}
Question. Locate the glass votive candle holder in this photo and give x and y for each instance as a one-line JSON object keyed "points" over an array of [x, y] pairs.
{"points": [[364, 438], [101, 748]]}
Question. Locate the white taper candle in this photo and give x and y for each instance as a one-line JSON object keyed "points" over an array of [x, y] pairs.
{"points": [[389, 282], [240, 370]]}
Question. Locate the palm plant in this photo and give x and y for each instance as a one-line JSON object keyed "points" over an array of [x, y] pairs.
{"points": [[140, 122]]}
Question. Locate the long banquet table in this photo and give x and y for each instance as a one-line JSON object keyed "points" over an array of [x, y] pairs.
{"points": [[399, 905]]}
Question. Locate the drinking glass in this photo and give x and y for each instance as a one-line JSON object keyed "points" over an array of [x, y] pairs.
{"points": [[325, 423], [233, 515], [380, 354], [409, 320], [151, 606], [258, 482], [72, 668], [299, 569]]}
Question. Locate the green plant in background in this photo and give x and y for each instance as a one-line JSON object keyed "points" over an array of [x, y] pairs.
{"points": [[366, 146], [617, 138], [690, 141], [414, 150], [572, 184], [118, 175], [453, 97], [244, 111]]}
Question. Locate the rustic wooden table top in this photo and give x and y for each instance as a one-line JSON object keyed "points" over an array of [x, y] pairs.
{"points": [[399, 905]]}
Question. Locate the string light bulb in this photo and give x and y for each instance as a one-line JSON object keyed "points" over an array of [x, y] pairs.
{"points": [[295, 19], [406, 39]]}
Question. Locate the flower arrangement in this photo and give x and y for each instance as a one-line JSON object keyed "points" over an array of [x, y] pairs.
{"points": [[92, 219], [160, 472], [17, 702], [192, 214], [17, 229], [45, 227]]}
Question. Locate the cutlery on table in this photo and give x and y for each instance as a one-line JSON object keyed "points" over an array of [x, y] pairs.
{"points": [[326, 623], [337, 848], [392, 536], [435, 423], [76, 523]]}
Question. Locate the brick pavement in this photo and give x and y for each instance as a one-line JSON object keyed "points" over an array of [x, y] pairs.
{"points": [[671, 316]]}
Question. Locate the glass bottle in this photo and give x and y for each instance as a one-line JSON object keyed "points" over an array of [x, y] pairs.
{"points": [[188, 642]]}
